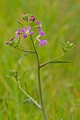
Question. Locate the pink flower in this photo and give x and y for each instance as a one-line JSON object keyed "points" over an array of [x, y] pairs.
{"points": [[42, 33], [38, 22], [32, 18], [43, 42], [27, 31]]}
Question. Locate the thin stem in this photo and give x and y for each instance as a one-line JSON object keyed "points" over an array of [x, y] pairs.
{"points": [[50, 61], [30, 51], [35, 102], [39, 82], [26, 50]]}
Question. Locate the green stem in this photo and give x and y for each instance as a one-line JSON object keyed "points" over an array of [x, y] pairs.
{"points": [[35, 102], [29, 51], [50, 61], [26, 50], [39, 82]]}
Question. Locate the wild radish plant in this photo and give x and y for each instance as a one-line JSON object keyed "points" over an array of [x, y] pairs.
{"points": [[27, 28]]}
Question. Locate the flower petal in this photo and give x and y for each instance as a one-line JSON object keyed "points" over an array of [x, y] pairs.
{"points": [[25, 35], [28, 28], [38, 22], [39, 28], [43, 42], [32, 32], [18, 34], [23, 30], [32, 18], [42, 33], [19, 30]]}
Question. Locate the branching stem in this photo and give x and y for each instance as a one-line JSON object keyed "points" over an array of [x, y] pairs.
{"points": [[50, 61], [39, 82], [29, 51]]}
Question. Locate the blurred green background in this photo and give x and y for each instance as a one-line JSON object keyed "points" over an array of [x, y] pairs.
{"points": [[60, 82]]}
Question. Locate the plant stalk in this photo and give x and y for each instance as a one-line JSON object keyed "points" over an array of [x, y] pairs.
{"points": [[50, 61], [35, 102], [39, 82]]}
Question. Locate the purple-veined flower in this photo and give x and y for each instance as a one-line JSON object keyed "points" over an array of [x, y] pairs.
{"points": [[27, 31], [41, 33], [43, 42]]}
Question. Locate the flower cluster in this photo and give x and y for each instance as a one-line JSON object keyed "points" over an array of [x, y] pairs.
{"points": [[28, 30]]}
